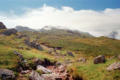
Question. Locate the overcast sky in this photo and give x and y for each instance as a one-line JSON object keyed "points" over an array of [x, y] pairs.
{"points": [[99, 17]]}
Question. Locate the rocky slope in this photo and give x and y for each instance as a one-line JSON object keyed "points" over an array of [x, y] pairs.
{"points": [[35, 55]]}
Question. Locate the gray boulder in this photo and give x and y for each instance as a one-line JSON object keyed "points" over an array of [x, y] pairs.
{"points": [[114, 66], [99, 59], [35, 76], [43, 69], [2, 26], [6, 74]]}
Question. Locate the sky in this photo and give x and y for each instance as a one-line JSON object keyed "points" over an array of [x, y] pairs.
{"points": [[98, 17]]}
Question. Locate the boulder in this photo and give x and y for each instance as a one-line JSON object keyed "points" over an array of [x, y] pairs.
{"points": [[2, 26], [70, 54], [43, 69], [114, 66], [6, 74], [99, 59], [10, 32], [35, 76]]}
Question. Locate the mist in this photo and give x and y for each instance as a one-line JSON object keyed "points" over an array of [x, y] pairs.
{"points": [[97, 23]]}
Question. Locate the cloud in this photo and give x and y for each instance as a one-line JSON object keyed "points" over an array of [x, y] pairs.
{"points": [[98, 23]]}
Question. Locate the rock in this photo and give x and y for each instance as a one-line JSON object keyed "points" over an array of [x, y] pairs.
{"points": [[52, 76], [99, 59], [10, 32], [25, 72], [2, 26], [119, 57], [81, 60], [62, 68], [58, 63], [70, 54], [22, 63], [43, 69], [114, 66], [19, 55], [35, 76], [6, 74], [33, 44], [21, 36], [46, 62]]}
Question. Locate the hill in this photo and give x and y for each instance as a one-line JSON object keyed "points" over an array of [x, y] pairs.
{"points": [[59, 47]]}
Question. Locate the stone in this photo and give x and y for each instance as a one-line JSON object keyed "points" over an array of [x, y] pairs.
{"points": [[82, 60], [19, 55], [43, 69], [2, 26], [34, 44], [9, 32], [25, 72], [35, 76], [52, 76], [99, 59], [6, 74], [70, 54], [114, 66]]}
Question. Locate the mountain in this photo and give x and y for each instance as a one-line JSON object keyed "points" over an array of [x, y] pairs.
{"points": [[52, 30], [22, 28]]}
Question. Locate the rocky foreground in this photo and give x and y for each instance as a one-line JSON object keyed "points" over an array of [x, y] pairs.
{"points": [[39, 70]]}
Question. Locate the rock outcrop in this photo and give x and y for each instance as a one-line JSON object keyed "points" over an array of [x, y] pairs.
{"points": [[6, 74], [43, 69], [99, 59], [35, 76], [33, 44], [2, 26], [22, 63], [9, 32]]}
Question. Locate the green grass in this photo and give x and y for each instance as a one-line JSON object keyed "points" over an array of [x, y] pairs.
{"points": [[90, 71], [81, 47]]}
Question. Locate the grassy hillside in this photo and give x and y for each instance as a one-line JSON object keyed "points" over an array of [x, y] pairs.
{"points": [[81, 47], [89, 46]]}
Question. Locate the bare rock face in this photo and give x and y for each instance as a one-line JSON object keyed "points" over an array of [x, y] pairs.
{"points": [[2, 26], [10, 32], [99, 59], [6, 74], [35, 76], [114, 66]]}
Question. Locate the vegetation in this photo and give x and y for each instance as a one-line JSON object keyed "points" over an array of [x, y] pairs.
{"points": [[81, 47]]}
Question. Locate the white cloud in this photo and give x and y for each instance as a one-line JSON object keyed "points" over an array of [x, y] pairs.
{"points": [[97, 23]]}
